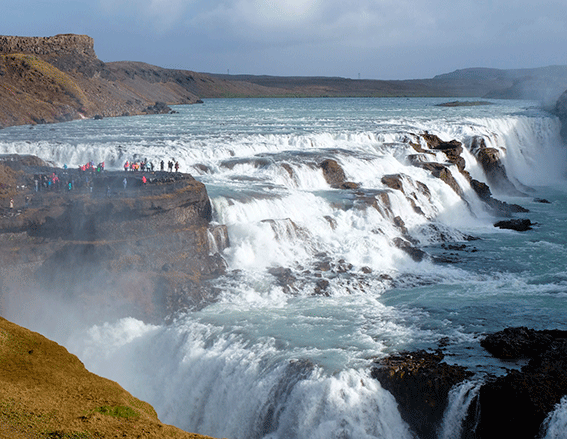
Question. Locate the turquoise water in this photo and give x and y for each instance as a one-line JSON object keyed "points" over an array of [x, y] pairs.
{"points": [[281, 361]]}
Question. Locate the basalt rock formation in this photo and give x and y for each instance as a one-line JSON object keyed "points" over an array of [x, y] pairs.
{"points": [[516, 405], [107, 242], [420, 382], [512, 405], [489, 158]]}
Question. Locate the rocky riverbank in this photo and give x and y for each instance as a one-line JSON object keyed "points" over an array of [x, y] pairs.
{"points": [[105, 243], [514, 405]]}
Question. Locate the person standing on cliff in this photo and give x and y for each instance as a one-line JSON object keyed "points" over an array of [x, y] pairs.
{"points": [[161, 165], [176, 166]]}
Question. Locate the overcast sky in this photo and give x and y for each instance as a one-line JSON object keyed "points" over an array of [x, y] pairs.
{"points": [[378, 39]]}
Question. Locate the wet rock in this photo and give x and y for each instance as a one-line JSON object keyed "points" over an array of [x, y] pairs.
{"points": [[420, 381], [323, 265], [515, 405], [481, 189], [335, 175], [499, 207], [520, 225], [393, 181], [520, 342], [284, 276], [415, 253], [452, 151], [442, 172], [542, 201], [321, 287], [489, 159], [350, 185]]}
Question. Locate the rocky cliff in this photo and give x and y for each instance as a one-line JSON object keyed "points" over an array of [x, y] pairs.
{"points": [[60, 78], [512, 405], [105, 243]]}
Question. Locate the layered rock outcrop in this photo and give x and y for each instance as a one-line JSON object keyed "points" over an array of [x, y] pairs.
{"points": [[60, 78], [108, 242], [512, 405], [420, 382]]}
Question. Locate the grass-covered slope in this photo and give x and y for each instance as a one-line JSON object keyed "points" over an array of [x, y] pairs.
{"points": [[46, 392]]}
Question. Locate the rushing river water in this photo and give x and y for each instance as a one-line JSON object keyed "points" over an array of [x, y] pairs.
{"points": [[316, 287]]}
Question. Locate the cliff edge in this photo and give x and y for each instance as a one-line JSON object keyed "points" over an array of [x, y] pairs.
{"points": [[104, 244]]}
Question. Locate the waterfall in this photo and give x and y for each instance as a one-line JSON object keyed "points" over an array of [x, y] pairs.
{"points": [[555, 425], [460, 399]]}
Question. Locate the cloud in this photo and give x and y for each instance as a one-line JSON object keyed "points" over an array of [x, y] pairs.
{"points": [[161, 15], [304, 33]]}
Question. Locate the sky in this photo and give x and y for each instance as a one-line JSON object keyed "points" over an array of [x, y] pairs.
{"points": [[370, 39]]}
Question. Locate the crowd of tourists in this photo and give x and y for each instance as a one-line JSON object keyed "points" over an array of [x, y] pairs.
{"points": [[89, 176], [145, 166]]}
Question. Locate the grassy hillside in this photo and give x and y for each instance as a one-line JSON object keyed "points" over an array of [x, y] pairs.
{"points": [[45, 392]]}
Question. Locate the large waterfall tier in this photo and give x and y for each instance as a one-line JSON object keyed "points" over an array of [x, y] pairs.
{"points": [[356, 229]]}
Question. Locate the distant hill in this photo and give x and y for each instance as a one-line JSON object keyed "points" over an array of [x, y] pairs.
{"points": [[52, 79], [544, 84], [60, 78]]}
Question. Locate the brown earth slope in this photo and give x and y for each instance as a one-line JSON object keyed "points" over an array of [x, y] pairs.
{"points": [[60, 78], [45, 392]]}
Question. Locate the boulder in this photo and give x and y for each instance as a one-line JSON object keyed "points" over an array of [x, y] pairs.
{"points": [[335, 175], [520, 225], [158, 108]]}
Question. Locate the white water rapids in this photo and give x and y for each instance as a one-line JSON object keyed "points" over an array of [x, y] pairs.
{"points": [[316, 287]]}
